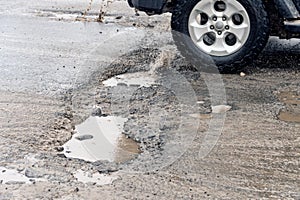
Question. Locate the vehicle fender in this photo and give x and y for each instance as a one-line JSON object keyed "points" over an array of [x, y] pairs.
{"points": [[297, 4], [287, 9], [155, 6]]}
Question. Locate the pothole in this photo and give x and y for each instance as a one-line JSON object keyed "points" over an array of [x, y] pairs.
{"points": [[289, 116], [8, 176], [292, 112], [140, 79], [12, 176], [291, 98], [101, 138]]}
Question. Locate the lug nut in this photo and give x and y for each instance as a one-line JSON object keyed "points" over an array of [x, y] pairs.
{"points": [[219, 32], [226, 27], [224, 18], [215, 18], [212, 27]]}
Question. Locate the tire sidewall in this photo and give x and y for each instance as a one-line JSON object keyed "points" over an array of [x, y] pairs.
{"points": [[256, 30]]}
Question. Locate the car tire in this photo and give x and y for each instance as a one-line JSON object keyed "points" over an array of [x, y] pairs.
{"points": [[229, 32]]}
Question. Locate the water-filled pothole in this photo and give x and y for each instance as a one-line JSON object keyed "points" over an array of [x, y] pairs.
{"points": [[292, 101], [13, 176], [9, 175], [141, 79], [101, 138], [291, 98], [289, 116]]}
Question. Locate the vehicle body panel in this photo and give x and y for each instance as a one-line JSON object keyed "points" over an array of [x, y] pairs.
{"points": [[287, 8]]}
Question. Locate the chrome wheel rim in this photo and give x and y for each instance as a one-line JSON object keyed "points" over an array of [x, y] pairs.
{"points": [[219, 28]]}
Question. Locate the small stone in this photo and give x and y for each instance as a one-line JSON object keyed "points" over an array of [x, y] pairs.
{"points": [[242, 74], [84, 137], [97, 112], [30, 173], [220, 108], [15, 182], [122, 84], [61, 155], [59, 149], [134, 85], [20, 169]]}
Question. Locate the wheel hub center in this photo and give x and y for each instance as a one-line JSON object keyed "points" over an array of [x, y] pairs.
{"points": [[219, 25]]}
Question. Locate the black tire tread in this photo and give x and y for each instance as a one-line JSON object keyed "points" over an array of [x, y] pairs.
{"points": [[257, 46]]}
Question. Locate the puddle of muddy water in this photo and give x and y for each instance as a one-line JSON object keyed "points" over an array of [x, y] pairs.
{"points": [[290, 99], [13, 176], [101, 138], [10, 175], [141, 79], [289, 116]]}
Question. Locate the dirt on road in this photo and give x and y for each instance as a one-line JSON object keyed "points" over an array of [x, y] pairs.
{"points": [[248, 148]]}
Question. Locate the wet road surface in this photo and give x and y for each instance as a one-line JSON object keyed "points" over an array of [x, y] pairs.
{"points": [[43, 57]]}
